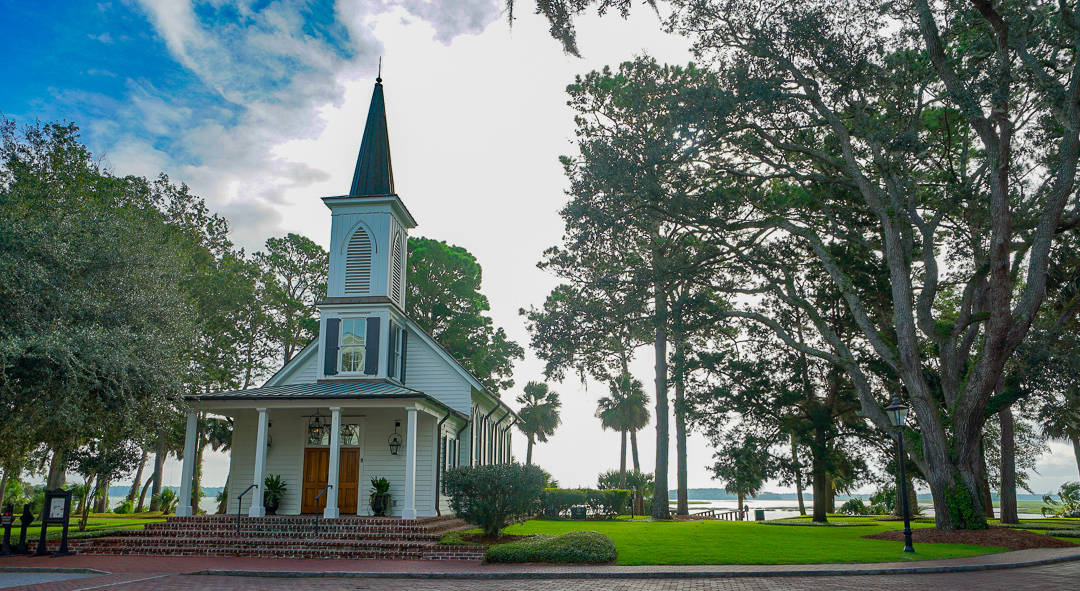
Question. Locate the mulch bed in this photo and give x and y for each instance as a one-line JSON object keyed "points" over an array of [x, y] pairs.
{"points": [[483, 540], [1002, 537]]}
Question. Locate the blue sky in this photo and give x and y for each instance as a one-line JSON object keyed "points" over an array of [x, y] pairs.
{"points": [[259, 107]]}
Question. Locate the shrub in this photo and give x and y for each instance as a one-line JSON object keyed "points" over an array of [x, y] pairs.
{"points": [[586, 547], [557, 501], [494, 496], [609, 502], [127, 506], [855, 507]]}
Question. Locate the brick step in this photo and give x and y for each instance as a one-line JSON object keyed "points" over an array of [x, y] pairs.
{"points": [[277, 548], [322, 534], [353, 519], [294, 524]]}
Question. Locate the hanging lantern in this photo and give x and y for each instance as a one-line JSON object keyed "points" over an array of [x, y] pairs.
{"points": [[315, 429], [395, 439]]}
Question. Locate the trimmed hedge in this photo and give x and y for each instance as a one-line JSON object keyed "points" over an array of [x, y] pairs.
{"points": [[556, 502], [577, 547], [495, 495]]}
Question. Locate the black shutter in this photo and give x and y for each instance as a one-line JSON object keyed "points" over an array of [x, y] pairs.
{"points": [[391, 363], [371, 357], [404, 352], [330, 358]]}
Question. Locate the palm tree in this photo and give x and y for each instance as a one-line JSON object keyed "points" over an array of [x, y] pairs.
{"points": [[539, 414], [625, 410]]}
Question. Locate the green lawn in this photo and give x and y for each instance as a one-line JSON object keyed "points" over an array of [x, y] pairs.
{"points": [[727, 542], [92, 524]]}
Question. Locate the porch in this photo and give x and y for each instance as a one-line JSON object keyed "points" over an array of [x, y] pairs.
{"points": [[327, 449]]}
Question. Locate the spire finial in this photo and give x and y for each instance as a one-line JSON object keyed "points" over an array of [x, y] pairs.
{"points": [[378, 77]]}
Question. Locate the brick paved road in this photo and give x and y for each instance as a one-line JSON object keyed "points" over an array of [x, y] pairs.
{"points": [[1042, 578]]}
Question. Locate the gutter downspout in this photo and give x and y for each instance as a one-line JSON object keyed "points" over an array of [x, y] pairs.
{"points": [[439, 466], [486, 417], [496, 430]]}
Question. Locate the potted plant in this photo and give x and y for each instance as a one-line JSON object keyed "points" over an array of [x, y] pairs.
{"points": [[380, 496], [273, 491]]}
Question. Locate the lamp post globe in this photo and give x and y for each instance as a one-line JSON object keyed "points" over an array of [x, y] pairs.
{"points": [[897, 413]]}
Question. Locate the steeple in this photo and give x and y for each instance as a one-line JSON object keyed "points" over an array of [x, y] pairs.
{"points": [[374, 175]]}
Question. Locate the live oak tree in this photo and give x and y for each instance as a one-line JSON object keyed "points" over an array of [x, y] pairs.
{"points": [[444, 299], [296, 270], [856, 94], [93, 330]]}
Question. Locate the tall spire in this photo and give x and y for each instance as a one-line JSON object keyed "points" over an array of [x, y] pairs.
{"points": [[374, 175]]}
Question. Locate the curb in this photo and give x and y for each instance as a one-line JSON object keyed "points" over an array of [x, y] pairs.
{"points": [[52, 569], [681, 574]]}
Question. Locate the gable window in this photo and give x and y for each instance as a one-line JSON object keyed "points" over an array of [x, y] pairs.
{"points": [[358, 263], [353, 332]]}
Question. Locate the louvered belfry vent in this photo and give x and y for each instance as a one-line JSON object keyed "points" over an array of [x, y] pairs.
{"points": [[397, 255], [358, 263]]}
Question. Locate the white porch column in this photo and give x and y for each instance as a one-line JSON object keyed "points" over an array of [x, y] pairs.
{"points": [[409, 510], [257, 509], [188, 471], [331, 510]]}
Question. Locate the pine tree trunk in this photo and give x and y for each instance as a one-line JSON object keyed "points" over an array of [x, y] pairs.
{"points": [[797, 469], [637, 463], [661, 509], [137, 481], [1009, 513], [57, 472], [683, 506], [159, 465]]}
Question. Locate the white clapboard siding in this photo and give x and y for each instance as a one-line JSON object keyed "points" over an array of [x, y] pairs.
{"points": [[427, 372]]}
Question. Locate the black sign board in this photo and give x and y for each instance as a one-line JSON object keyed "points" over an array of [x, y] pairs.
{"points": [[7, 518], [57, 511]]}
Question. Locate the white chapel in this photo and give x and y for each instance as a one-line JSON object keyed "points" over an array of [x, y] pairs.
{"points": [[374, 396]]}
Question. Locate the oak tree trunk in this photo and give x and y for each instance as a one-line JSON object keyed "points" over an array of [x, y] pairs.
{"points": [[57, 472], [159, 465], [1009, 513], [137, 481]]}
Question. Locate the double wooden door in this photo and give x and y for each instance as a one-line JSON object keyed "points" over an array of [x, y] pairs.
{"points": [[316, 475]]}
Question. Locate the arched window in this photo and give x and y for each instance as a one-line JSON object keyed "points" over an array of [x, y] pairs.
{"points": [[358, 263], [398, 263]]}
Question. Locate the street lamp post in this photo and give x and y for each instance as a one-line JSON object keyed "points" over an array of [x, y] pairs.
{"points": [[898, 416]]}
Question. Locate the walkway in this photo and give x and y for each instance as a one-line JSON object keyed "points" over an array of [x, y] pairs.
{"points": [[166, 573]]}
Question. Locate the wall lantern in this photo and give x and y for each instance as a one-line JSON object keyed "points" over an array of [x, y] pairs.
{"points": [[395, 439], [269, 438]]}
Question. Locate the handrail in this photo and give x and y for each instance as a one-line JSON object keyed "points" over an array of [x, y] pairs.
{"points": [[317, 497], [240, 503]]}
